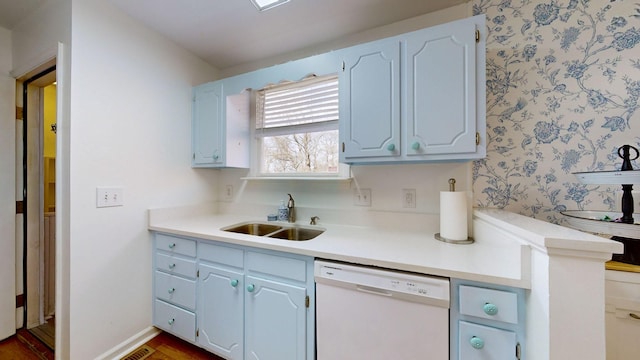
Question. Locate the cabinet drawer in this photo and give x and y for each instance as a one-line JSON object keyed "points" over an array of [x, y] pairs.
{"points": [[281, 266], [623, 285], [176, 265], [221, 255], [485, 342], [175, 289], [489, 304], [177, 321], [176, 245]]}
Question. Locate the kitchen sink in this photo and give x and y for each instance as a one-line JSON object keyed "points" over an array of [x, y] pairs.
{"points": [[296, 233], [293, 232], [258, 229]]}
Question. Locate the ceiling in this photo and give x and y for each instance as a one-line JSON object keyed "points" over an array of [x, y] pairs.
{"points": [[227, 33]]}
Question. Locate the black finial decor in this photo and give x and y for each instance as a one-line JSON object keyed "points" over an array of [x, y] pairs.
{"points": [[627, 198]]}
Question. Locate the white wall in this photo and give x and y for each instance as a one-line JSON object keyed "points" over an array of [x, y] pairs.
{"points": [[7, 190], [126, 123], [385, 181], [35, 39], [130, 127]]}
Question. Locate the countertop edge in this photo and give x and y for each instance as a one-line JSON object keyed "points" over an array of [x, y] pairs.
{"points": [[547, 236]]}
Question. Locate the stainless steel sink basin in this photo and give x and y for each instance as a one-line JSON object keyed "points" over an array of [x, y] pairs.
{"points": [[258, 229], [293, 232], [296, 234]]}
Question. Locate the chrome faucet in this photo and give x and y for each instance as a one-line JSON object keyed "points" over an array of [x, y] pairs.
{"points": [[313, 220], [291, 207]]}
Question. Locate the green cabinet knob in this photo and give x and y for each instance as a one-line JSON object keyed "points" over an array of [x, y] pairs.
{"points": [[171, 321], [172, 266], [171, 291], [172, 245], [251, 287], [415, 145], [234, 282], [476, 342], [490, 309], [391, 147]]}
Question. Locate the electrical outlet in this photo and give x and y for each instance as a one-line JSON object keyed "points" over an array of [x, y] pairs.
{"points": [[409, 198], [362, 197], [109, 196], [228, 192]]}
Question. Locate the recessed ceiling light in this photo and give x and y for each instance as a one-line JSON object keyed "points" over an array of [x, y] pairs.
{"points": [[263, 5]]}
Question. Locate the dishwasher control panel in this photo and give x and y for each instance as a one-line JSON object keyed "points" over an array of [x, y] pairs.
{"points": [[420, 288]]}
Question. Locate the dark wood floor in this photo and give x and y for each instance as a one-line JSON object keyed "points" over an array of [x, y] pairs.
{"points": [[24, 346], [168, 347]]}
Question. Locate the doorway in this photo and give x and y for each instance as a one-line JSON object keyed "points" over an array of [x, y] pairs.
{"points": [[38, 187]]}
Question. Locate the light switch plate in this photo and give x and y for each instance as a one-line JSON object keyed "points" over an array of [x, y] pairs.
{"points": [[109, 196], [362, 197]]}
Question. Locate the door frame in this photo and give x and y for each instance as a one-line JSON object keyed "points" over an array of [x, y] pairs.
{"points": [[33, 231]]}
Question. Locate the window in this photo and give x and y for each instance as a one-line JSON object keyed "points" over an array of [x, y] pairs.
{"points": [[297, 128]]}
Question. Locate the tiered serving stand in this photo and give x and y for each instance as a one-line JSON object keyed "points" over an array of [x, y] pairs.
{"points": [[620, 226]]}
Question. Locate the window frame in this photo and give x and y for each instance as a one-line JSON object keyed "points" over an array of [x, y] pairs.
{"points": [[256, 171]]}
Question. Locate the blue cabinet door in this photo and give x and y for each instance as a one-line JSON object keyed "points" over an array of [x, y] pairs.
{"points": [[220, 311], [275, 320], [206, 125], [441, 90], [370, 101]]}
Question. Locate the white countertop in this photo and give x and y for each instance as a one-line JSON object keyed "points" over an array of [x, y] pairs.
{"points": [[497, 257]]}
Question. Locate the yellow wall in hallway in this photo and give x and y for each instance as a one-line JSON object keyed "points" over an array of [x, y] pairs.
{"points": [[49, 148]]}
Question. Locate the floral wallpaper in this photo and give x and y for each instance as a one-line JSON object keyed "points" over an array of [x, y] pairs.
{"points": [[563, 89]]}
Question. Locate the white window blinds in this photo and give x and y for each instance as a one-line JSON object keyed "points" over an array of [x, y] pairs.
{"points": [[305, 106]]}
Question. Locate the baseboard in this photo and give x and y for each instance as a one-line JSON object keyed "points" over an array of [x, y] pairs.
{"points": [[127, 346]]}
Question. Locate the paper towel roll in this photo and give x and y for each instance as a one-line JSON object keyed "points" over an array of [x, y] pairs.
{"points": [[453, 215]]}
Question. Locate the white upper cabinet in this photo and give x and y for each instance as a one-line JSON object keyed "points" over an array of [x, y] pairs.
{"points": [[206, 124], [414, 97], [419, 96], [370, 100], [220, 127], [441, 90]]}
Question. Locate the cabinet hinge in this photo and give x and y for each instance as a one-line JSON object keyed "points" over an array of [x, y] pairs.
{"points": [[342, 146], [518, 351], [477, 36], [198, 273], [197, 332], [477, 138], [343, 65], [306, 301]]}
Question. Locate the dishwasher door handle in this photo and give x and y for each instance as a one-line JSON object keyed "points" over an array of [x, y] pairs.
{"points": [[371, 290]]}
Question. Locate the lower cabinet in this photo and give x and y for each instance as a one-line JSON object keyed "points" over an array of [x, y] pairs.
{"points": [[487, 321], [622, 315], [221, 311], [245, 303]]}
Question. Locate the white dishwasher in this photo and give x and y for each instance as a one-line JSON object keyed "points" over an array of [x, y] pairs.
{"points": [[370, 313]]}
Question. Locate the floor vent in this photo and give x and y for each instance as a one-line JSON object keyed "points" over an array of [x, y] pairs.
{"points": [[140, 353]]}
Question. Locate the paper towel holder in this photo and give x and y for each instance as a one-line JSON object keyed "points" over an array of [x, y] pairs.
{"points": [[450, 241], [452, 187]]}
